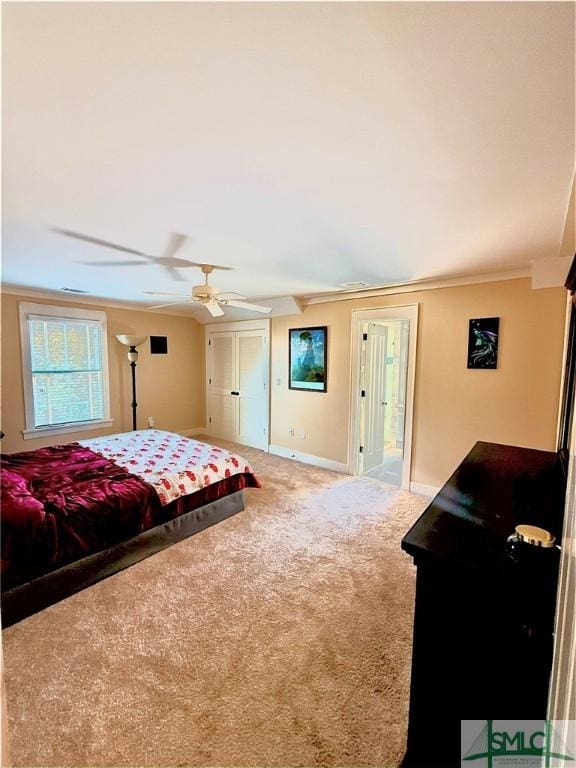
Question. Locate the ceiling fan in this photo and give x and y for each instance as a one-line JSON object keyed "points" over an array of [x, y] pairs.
{"points": [[210, 297], [168, 260]]}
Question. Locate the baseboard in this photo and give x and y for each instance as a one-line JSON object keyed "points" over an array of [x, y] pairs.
{"points": [[192, 432], [424, 490], [308, 458]]}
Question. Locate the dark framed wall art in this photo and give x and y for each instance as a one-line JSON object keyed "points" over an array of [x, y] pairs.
{"points": [[159, 345], [483, 342], [307, 358]]}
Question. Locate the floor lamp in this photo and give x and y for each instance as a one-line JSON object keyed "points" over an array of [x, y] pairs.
{"points": [[132, 342]]}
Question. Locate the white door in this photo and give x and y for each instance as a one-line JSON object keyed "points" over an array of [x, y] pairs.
{"points": [[373, 395], [222, 404], [252, 388], [238, 386]]}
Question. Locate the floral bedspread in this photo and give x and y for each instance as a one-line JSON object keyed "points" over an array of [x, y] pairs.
{"points": [[174, 465]]}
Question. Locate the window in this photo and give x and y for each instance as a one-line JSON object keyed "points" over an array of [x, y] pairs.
{"points": [[65, 369]]}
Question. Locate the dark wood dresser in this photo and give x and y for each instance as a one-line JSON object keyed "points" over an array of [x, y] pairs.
{"points": [[483, 624]]}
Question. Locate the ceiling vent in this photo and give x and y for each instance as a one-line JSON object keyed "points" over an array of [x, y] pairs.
{"points": [[354, 285]]}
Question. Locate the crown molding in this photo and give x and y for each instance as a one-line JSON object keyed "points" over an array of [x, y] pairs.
{"points": [[411, 286], [69, 298], [418, 285]]}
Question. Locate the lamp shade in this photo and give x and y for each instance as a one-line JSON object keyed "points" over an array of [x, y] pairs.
{"points": [[131, 341]]}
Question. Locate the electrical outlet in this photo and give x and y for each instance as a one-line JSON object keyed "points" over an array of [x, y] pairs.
{"points": [[303, 435], [151, 421], [291, 431]]}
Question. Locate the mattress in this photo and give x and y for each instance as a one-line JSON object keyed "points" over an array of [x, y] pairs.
{"points": [[63, 503]]}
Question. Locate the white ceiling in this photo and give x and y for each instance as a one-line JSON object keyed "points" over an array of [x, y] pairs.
{"points": [[304, 144]]}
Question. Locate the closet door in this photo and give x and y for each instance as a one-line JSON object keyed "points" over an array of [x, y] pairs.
{"points": [[222, 378], [237, 386], [252, 387]]}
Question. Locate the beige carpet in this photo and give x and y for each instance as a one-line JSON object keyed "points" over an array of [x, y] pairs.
{"points": [[279, 637]]}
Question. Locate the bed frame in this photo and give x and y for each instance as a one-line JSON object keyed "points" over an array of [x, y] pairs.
{"points": [[31, 597]]}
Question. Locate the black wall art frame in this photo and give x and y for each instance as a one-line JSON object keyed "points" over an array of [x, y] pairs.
{"points": [[483, 336], [307, 358], [159, 345]]}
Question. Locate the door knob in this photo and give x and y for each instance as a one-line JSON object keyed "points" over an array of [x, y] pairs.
{"points": [[234, 393]]}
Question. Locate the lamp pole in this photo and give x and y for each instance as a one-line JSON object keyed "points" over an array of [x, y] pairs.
{"points": [[133, 357], [132, 342]]}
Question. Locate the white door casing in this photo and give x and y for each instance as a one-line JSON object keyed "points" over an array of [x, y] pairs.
{"points": [[359, 318], [237, 381], [562, 698]]}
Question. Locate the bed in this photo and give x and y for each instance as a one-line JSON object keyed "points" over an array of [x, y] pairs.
{"points": [[74, 514]]}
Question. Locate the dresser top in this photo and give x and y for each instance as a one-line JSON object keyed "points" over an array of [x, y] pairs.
{"points": [[494, 489]]}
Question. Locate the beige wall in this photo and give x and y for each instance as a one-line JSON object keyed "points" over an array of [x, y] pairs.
{"points": [[454, 406], [170, 387]]}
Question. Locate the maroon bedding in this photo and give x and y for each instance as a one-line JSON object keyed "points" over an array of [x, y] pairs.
{"points": [[64, 502]]}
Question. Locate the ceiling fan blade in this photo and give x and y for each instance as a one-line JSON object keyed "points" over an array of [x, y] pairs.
{"points": [[165, 293], [246, 305], [115, 263], [174, 244], [205, 264], [98, 241], [214, 308], [172, 304], [229, 295], [175, 275]]}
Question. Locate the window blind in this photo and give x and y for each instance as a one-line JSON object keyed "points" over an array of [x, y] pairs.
{"points": [[67, 370]]}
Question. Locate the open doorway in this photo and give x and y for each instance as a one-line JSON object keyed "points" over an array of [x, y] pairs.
{"points": [[383, 359]]}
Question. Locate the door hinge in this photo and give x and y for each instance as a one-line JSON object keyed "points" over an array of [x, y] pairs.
{"points": [[361, 449], [363, 393], [364, 337], [210, 420], [209, 381], [209, 342]]}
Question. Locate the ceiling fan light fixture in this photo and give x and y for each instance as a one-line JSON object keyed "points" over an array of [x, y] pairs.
{"points": [[202, 291], [211, 298]]}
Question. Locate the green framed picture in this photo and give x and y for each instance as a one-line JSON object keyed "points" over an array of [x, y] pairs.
{"points": [[307, 358]]}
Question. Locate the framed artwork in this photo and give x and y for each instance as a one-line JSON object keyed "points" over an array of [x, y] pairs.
{"points": [[158, 345], [483, 342], [307, 358]]}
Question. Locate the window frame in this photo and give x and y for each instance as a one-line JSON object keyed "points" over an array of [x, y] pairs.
{"points": [[27, 309]]}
